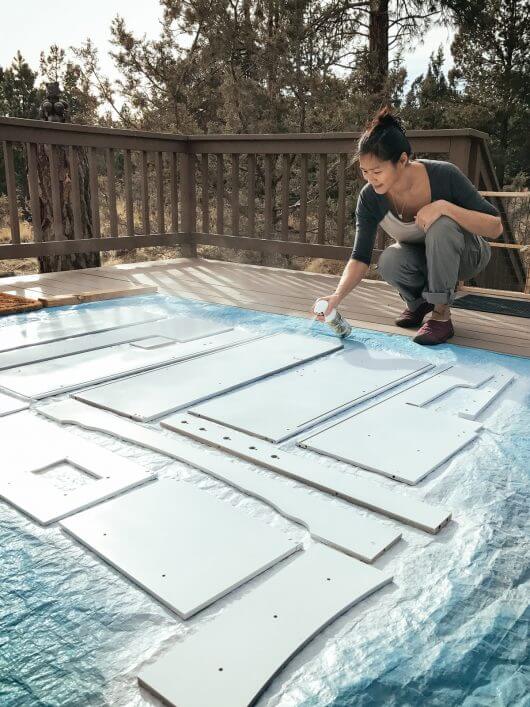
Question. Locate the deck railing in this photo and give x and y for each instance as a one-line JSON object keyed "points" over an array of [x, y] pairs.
{"points": [[293, 194]]}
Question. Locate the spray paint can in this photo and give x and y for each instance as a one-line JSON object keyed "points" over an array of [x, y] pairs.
{"points": [[335, 319]]}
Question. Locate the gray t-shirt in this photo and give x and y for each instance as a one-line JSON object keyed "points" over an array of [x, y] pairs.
{"points": [[447, 182]]}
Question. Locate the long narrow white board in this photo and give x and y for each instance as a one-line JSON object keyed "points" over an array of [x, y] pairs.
{"points": [[278, 408], [9, 405], [481, 398], [31, 446], [354, 489], [158, 393], [40, 380], [182, 545], [339, 526], [401, 441], [454, 377], [175, 329], [229, 661], [77, 323]]}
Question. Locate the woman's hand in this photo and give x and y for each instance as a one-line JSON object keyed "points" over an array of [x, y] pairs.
{"points": [[332, 300], [427, 215]]}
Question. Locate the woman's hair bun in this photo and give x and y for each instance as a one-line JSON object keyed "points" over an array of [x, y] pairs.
{"points": [[385, 119], [385, 137]]}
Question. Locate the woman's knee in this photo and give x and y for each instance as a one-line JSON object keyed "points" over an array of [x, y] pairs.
{"points": [[445, 230], [391, 262]]}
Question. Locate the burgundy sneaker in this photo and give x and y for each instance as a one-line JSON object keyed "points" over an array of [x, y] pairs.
{"points": [[434, 332], [409, 319]]}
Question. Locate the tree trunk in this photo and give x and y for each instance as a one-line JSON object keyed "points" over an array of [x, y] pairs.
{"points": [[378, 51], [75, 261]]}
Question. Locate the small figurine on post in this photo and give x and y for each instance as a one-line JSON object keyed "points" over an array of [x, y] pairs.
{"points": [[54, 108]]}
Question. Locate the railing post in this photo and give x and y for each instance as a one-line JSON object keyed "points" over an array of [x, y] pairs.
{"points": [[189, 206], [460, 154]]}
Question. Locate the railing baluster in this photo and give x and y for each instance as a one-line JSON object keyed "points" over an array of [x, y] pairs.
{"points": [[204, 197], [341, 206], [146, 226], [235, 195], [9, 163], [58, 227], [173, 167], [73, 159], [322, 183], [33, 183], [268, 197], [129, 204], [189, 196], [220, 195], [251, 195], [161, 225], [94, 192], [303, 199], [111, 192], [285, 196]]}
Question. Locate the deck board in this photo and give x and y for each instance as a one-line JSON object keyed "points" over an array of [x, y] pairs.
{"points": [[373, 304]]}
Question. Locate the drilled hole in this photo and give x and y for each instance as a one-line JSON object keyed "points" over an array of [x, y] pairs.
{"points": [[274, 456], [226, 437]]}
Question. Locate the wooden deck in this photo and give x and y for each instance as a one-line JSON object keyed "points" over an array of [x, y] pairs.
{"points": [[373, 305]]}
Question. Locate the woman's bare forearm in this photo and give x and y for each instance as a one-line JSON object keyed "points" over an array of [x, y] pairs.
{"points": [[353, 273], [482, 224]]}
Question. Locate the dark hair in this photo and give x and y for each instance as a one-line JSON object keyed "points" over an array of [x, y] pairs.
{"points": [[384, 137]]}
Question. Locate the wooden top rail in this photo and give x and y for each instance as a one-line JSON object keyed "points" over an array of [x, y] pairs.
{"points": [[512, 194], [41, 132], [37, 131]]}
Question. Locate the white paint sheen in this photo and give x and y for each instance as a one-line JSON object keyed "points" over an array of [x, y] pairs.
{"points": [[352, 488], [182, 545], [338, 525], [179, 329], [30, 445], [401, 441], [61, 375], [230, 660], [309, 394], [158, 393]]}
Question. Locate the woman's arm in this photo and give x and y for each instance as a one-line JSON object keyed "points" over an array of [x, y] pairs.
{"points": [[482, 224], [352, 275], [474, 221]]}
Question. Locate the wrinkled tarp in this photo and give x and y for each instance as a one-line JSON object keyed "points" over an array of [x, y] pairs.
{"points": [[451, 630]]}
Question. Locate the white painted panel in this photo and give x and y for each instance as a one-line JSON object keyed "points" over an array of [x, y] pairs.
{"points": [[310, 394], [180, 329], [8, 405], [350, 487], [230, 660], [85, 321], [401, 441], [182, 545], [161, 392], [153, 342], [30, 445], [454, 377], [478, 400], [338, 525], [40, 380]]}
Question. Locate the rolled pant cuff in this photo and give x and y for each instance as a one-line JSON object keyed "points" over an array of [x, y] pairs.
{"points": [[446, 297]]}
